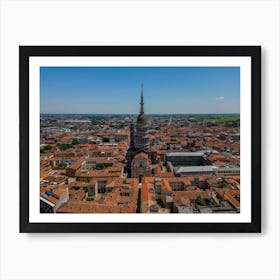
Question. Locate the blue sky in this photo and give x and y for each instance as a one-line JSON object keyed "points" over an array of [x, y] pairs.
{"points": [[100, 90]]}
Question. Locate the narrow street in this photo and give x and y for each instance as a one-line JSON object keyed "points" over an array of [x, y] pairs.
{"points": [[138, 209]]}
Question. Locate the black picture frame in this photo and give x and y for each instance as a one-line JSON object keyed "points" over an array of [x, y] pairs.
{"points": [[254, 52]]}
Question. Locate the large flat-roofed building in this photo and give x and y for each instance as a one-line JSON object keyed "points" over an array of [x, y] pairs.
{"points": [[185, 158], [183, 171], [228, 170]]}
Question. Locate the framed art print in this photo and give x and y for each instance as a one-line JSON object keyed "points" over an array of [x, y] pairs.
{"points": [[140, 138]]}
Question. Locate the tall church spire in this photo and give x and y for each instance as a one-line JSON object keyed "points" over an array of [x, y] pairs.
{"points": [[141, 131], [142, 102]]}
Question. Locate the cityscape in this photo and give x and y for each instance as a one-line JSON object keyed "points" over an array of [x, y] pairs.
{"points": [[140, 163]]}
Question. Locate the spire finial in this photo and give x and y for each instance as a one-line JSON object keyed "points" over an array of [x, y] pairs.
{"points": [[142, 101]]}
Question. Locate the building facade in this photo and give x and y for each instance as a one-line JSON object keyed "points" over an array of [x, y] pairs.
{"points": [[138, 153], [140, 166]]}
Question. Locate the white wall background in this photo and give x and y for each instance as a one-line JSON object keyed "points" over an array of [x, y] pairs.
{"points": [[139, 256]]}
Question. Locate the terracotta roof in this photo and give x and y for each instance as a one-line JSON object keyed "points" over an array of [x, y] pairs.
{"points": [[52, 199], [141, 155], [147, 184]]}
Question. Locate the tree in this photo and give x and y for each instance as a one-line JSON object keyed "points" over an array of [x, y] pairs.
{"points": [[45, 148], [75, 142], [64, 147], [201, 201], [168, 169]]}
